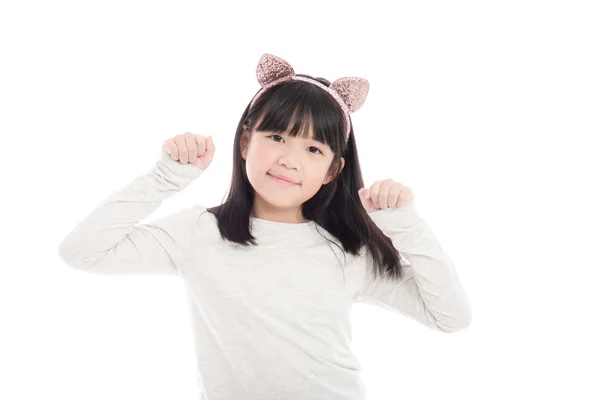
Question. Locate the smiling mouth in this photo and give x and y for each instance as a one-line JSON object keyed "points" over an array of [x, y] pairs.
{"points": [[283, 181]]}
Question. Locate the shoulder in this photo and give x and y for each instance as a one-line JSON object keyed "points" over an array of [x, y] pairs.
{"points": [[199, 211], [202, 216], [199, 208]]}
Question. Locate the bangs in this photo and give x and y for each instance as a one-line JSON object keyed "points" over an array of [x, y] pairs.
{"points": [[297, 107]]}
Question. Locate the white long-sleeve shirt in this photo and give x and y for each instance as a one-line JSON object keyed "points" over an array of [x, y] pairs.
{"points": [[270, 321]]}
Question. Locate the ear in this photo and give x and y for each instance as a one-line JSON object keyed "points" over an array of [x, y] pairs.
{"points": [[329, 178], [244, 141]]}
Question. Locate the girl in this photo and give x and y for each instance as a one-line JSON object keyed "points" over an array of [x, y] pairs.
{"points": [[269, 295]]}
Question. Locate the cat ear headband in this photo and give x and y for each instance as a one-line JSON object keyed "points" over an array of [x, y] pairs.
{"points": [[349, 92]]}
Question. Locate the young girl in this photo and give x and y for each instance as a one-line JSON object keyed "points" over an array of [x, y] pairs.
{"points": [[272, 273]]}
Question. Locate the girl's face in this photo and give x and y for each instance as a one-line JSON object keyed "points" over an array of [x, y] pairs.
{"points": [[302, 160]]}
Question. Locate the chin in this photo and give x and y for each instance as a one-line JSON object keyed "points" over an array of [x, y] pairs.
{"points": [[279, 199]]}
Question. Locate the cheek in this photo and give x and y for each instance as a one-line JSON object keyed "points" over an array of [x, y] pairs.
{"points": [[254, 169], [263, 155], [258, 164], [256, 159], [313, 185]]}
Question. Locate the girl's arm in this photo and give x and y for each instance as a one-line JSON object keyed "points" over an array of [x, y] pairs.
{"points": [[430, 291], [110, 239]]}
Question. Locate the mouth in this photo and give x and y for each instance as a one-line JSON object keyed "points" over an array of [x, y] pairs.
{"points": [[283, 181]]}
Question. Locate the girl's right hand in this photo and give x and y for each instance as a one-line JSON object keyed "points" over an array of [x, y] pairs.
{"points": [[192, 148]]}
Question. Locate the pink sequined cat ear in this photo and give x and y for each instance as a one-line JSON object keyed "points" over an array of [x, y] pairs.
{"points": [[353, 90], [272, 70]]}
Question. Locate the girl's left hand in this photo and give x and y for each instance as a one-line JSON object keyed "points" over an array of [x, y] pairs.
{"points": [[385, 194]]}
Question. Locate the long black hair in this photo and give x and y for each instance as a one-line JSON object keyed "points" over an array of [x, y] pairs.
{"points": [[336, 207]]}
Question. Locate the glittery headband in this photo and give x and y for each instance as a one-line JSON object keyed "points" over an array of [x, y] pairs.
{"points": [[349, 92]]}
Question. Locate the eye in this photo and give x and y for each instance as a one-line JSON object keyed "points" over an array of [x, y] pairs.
{"points": [[311, 147], [274, 136]]}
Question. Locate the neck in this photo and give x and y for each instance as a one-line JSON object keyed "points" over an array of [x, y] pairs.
{"points": [[293, 216]]}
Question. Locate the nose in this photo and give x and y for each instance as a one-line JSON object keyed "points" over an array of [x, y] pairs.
{"points": [[290, 158]]}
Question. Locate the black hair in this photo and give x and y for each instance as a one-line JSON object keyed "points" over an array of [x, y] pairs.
{"points": [[336, 207]]}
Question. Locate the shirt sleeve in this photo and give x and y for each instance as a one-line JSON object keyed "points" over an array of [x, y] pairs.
{"points": [[110, 240], [430, 291]]}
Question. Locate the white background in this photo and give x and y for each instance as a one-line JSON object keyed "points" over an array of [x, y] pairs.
{"points": [[489, 111]]}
